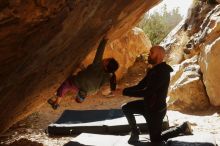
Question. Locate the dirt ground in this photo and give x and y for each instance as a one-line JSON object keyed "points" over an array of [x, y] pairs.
{"points": [[31, 131]]}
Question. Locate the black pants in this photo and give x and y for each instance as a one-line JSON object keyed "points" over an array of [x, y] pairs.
{"points": [[154, 121]]}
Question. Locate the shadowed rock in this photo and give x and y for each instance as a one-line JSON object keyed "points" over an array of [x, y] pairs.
{"points": [[42, 42]]}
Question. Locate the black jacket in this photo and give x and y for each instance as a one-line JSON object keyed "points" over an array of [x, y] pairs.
{"points": [[153, 87]]}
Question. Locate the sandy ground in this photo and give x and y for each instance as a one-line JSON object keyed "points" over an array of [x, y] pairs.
{"points": [[31, 131]]}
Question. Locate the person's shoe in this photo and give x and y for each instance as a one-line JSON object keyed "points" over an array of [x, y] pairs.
{"points": [[134, 138], [50, 101], [79, 99], [53, 105], [186, 127]]}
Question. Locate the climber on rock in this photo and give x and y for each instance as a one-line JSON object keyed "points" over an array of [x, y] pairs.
{"points": [[90, 79]]}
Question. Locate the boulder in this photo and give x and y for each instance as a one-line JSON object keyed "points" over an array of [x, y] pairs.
{"points": [[186, 91], [125, 50], [209, 61], [208, 41], [200, 34]]}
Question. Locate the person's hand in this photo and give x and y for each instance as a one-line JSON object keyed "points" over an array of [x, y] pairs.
{"points": [[111, 94], [118, 91], [106, 37], [107, 92]]}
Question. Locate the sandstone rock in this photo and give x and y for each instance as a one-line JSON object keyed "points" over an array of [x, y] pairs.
{"points": [[182, 42], [209, 62], [207, 40], [174, 44], [186, 91], [42, 42], [125, 50], [201, 31]]}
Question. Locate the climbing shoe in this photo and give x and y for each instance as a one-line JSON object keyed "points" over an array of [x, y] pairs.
{"points": [[186, 127], [50, 101], [53, 105], [134, 138], [80, 97]]}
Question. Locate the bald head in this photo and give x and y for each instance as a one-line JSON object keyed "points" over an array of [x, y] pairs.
{"points": [[156, 56]]}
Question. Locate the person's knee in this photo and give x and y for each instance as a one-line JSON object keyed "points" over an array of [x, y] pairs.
{"points": [[155, 133], [124, 107], [124, 104], [133, 106], [156, 139]]}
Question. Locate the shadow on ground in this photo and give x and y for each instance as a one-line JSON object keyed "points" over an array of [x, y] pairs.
{"points": [[76, 116], [170, 143], [72, 143], [24, 142]]}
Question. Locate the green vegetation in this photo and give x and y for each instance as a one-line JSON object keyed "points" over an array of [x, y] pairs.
{"points": [[212, 2], [195, 2], [158, 24]]}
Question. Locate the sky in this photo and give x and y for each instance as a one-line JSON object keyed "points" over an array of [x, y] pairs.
{"points": [[171, 4]]}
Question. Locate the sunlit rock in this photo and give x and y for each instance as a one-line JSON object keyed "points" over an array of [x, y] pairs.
{"points": [[125, 50], [209, 62], [208, 42], [201, 31], [186, 91], [175, 43], [210, 56]]}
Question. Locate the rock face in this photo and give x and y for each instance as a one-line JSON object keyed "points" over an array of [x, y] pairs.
{"points": [[203, 42], [186, 87], [125, 50], [209, 62], [175, 43], [210, 55], [42, 42]]}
